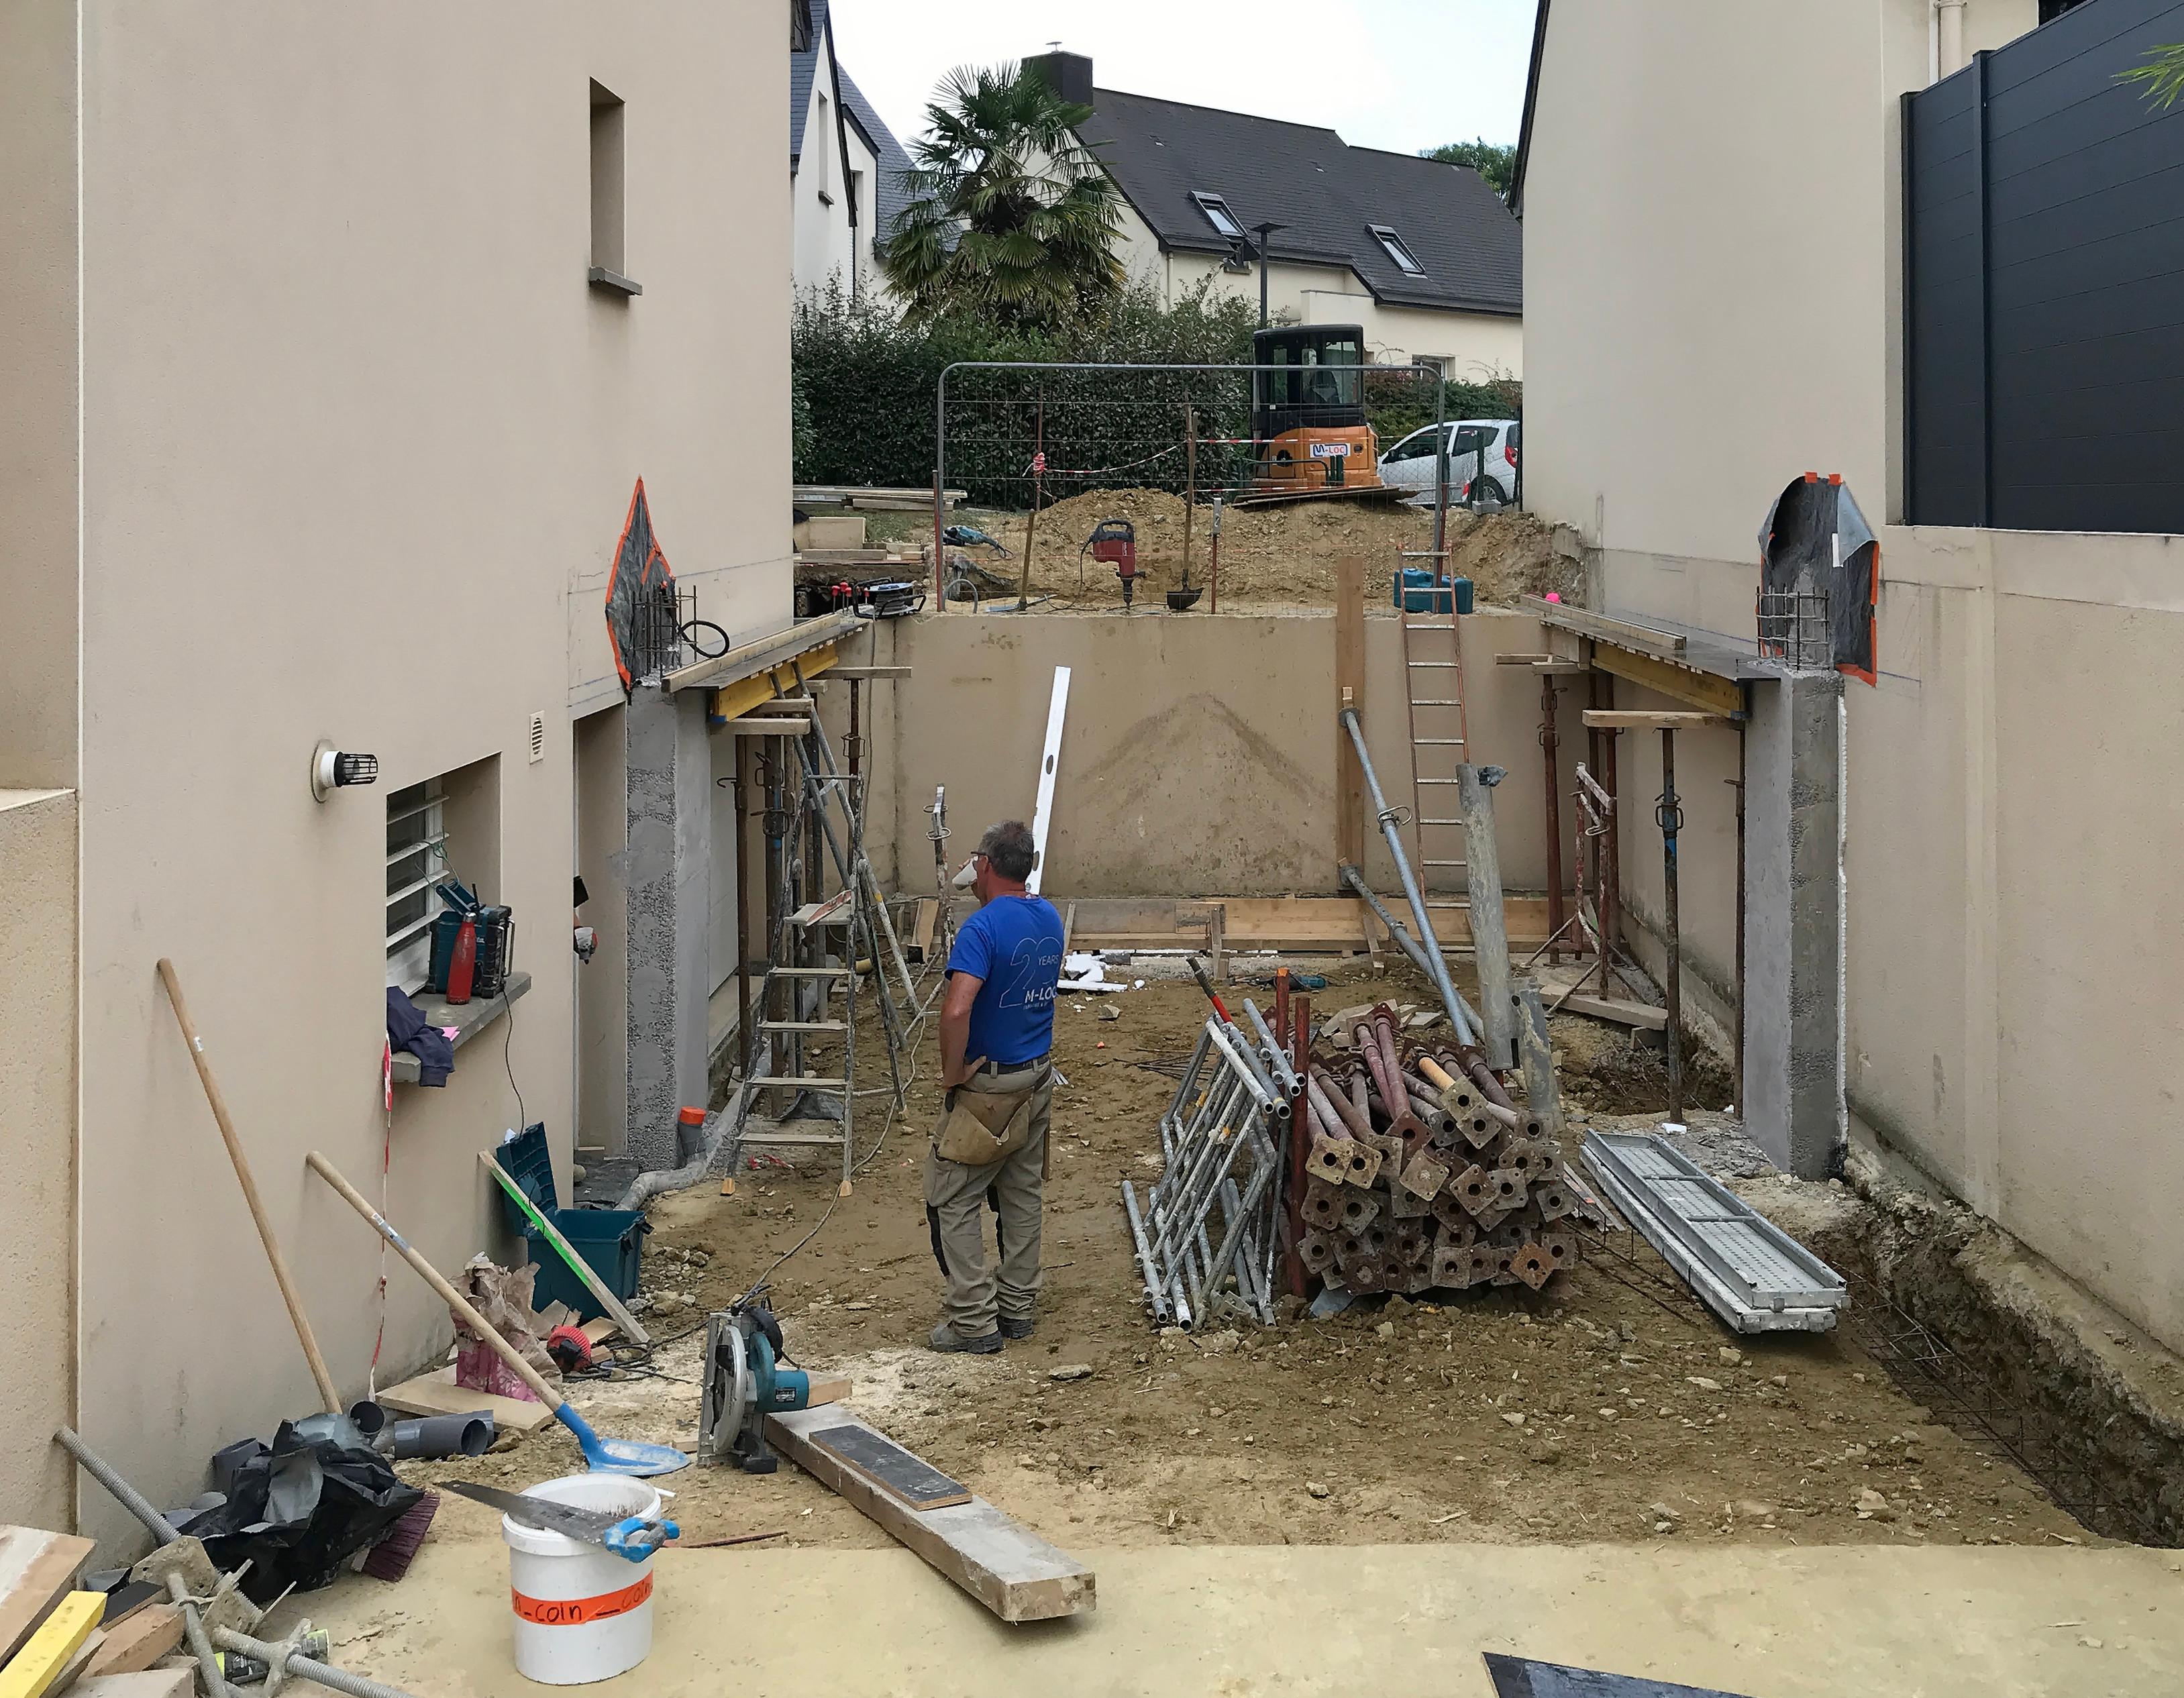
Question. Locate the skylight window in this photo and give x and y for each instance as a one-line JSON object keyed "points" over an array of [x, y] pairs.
{"points": [[1217, 215], [1406, 261]]}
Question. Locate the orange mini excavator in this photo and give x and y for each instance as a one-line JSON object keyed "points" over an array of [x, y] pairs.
{"points": [[1310, 437]]}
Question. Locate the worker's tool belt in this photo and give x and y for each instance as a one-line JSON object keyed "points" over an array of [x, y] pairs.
{"points": [[980, 1126]]}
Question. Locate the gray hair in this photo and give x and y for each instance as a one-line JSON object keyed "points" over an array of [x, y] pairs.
{"points": [[1008, 849]]}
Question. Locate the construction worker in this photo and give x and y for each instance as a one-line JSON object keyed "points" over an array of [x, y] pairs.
{"points": [[989, 1146]]}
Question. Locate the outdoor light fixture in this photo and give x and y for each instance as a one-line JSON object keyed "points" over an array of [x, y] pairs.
{"points": [[332, 768]]}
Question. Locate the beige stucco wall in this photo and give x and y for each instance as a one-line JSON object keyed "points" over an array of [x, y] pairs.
{"points": [[359, 443], [1198, 755], [825, 246], [37, 376], [1476, 345], [1712, 217], [2007, 894], [37, 1130]]}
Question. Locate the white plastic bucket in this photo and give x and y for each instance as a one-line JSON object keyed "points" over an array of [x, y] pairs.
{"points": [[582, 1612]]}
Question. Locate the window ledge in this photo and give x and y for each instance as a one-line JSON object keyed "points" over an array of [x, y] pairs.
{"points": [[826, 199], [468, 1019], [600, 278]]}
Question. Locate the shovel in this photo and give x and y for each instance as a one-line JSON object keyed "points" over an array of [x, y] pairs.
{"points": [[601, 1455]]}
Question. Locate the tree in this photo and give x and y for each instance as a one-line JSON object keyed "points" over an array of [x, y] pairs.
{"points": [[1010, 217], [2160, 79], [1492, 161]]}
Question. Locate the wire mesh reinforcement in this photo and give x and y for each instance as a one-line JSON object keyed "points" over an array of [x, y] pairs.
{"points": [[1954, 1389]]}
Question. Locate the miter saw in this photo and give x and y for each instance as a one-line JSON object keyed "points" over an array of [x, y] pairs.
{"points": [[744, 1383]]}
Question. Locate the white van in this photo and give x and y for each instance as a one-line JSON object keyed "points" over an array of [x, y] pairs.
{"points": [[1412, 465]]}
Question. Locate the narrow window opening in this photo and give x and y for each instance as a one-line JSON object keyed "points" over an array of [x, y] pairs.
{"points": [[609, 263]]}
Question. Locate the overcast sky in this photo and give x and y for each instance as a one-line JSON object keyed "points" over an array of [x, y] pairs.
{"points": [[1402, 74]]}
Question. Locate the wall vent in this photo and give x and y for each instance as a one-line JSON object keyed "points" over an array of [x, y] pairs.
{"points": [[537, 737]]}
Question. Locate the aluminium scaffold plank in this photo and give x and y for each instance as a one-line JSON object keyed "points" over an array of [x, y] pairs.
{"points": [[1743, 1267]]}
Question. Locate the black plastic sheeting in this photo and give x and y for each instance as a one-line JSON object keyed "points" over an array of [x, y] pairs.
{"points": [[640, 571], [1816, 539], [298, 1509], [1519, 1677]]}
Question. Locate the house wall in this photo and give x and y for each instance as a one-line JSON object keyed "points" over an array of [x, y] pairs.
{"points": [[824, 247], [1711, 268], [358, 443], [1475, 345], [38, 1179], [38, 533], [1710, 260], [1199, 753]]}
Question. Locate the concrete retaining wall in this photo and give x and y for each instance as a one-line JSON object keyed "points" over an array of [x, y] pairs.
{"points": [[1199, 756]]}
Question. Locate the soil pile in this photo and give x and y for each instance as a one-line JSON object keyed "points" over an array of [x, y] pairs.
{"points": [[1281, 556]]}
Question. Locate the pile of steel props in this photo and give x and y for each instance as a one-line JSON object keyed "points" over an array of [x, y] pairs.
{"points": [[1422, 1172], [1211, 1222]]}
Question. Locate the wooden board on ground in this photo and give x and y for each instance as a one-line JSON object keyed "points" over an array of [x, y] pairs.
{"points": [[127, 1598], [136, 1641], [37, 1570], [1005, 1566], [1299, 924], [437, 1393], [910, 1480]]}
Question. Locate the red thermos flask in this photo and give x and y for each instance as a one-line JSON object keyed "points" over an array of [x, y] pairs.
{"points": [[463, 963]]}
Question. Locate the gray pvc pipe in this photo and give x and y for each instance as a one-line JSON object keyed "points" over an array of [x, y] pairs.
{"points": [[438, 1436]]}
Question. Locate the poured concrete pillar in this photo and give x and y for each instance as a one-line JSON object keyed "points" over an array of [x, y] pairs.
{"points": [[1793, 1078], [669, 891]]}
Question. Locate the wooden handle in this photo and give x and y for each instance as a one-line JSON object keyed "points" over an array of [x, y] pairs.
{"points": [[288, 1293], [1439, 1075], [453, 1299]]}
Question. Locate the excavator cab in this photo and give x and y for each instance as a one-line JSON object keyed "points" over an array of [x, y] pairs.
{"points": [[1308, 427]]}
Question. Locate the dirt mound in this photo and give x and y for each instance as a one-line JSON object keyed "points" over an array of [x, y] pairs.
{"points": [[1271, 557]]}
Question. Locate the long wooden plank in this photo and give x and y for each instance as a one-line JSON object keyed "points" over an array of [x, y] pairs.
{"points": [[718, 670], [1702, 690], [1623, 1013], [152, 1683], [1648, 719], [1005, 1566], [37, 1567], [1349, 692], [437, 1393]]}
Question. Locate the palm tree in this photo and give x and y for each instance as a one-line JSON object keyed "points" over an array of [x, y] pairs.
{"points": [[1011, 216]]}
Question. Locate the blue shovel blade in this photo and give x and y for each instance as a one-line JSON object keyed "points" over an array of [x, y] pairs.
{"points": [[620, 1455]]}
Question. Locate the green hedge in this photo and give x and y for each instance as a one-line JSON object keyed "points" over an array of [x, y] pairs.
{"points": [[865, 388]]}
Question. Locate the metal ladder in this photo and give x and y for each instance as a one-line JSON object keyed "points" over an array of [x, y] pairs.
{"points": [[797, 953], [1433, 677]]}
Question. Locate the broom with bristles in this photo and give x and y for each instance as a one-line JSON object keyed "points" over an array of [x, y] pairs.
{"points": [[390, 1559]]}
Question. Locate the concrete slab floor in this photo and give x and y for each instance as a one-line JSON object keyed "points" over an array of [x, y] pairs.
{"points": [[1770, 1622]]}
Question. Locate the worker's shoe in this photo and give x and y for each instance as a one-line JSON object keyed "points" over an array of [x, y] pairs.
{"points": [[949, 1342], [1018, 1326]]}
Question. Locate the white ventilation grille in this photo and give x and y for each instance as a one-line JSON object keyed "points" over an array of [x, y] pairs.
{"points": [[537, 737]]}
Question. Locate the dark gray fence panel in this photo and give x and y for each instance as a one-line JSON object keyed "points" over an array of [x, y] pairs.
{"points": [[2044, 291]]}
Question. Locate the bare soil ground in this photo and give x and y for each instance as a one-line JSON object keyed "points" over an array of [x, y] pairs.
{"points": [[1596, 1409], [1271, 557]]}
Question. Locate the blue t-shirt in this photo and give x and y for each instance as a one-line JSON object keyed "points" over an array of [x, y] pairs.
{"points": [[1014, 945]]}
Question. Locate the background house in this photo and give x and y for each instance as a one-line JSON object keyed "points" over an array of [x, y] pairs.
{"points": [[845, 165], [1728, 290], [1422, 255], [329, 388]]}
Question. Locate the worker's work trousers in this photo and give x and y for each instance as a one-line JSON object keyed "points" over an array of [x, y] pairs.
{"points": [[957, 1195]]}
